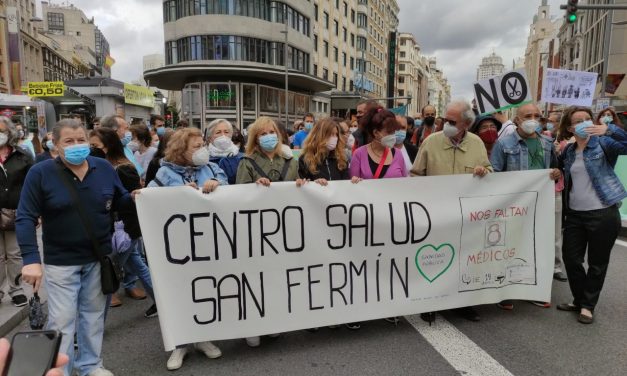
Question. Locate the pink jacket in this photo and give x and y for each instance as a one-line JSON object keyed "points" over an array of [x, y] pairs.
{"points": [[360, 166]]}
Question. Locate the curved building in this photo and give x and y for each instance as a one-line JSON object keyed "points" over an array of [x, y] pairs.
{"points": [[228, 57]]}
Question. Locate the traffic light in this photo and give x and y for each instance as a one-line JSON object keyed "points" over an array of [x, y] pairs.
{"points": [[571, 11], [168, 117]]}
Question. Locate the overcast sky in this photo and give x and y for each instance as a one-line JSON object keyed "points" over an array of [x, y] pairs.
{"points": [[459, 33]]}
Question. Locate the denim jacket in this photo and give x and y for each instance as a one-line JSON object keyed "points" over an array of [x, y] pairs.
{"points": [[172, 175], [510, 153], [599, 156]]}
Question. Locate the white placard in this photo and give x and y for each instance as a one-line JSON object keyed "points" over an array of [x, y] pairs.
{"points": [[248, 260], [503, 92], [571, 88]]}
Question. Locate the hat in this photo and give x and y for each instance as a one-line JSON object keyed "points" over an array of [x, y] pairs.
{"points": [[475, 126]]}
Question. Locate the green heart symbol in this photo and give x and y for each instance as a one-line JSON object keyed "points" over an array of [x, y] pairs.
{"points": [[432, 252]]}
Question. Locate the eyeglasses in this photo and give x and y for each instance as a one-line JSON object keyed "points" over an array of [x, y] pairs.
{"points": [[451, 122]]}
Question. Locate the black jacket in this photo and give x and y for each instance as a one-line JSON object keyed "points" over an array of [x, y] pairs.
{"points": [[328, 170], [131, 181], [412, 150], [14, 171]]}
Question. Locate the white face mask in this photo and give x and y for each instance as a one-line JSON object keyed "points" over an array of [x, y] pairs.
{"points": [[350, 142], [4, 138], [133, 146], [223, 143], [389, 141], [201, 157], [332, 143], [352, 129], [450, 130], [529, 126]]}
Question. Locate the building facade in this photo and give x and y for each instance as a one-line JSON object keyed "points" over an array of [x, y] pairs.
{"points": [[543, 30], [439, 94], [229, 59], [413, 75], [491, 66], [4, 53], [77, 36]]}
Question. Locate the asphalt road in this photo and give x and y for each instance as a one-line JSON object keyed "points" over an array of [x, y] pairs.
{"points": [[526, 341]]}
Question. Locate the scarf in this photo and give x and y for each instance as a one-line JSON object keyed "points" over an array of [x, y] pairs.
{"points": [[214, 152]]}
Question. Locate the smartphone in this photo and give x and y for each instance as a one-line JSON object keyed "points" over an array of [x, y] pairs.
{"points": [[33, 353]]}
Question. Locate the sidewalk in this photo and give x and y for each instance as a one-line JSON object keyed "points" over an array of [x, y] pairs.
{"points": [[11, 316]]}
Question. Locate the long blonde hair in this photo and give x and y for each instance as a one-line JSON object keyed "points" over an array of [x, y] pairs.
{"points": [[315, 148], [253, 132]]}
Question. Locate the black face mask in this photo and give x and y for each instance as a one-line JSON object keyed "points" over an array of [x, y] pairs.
{"points": [[98, 153], [429, 121]]}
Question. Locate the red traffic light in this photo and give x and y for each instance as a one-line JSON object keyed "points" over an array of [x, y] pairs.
{"points": [[168, 116]]}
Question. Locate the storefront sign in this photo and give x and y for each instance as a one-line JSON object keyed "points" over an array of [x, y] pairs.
{"points": [[45, 89], [139, 96]]}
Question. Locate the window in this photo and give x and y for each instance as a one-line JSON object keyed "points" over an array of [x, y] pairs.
{"points": [[352, 63], [326, 49], [401, 67], [345, 9], [344, 34], [316, 12], [315, 70], [325, 19], [401, 79], [401, 93], [344, 58], [362, 20], [56, 21], [362, 43], [315, 42], [337, 4], [402, 54], [335, 79], [336, 28], [353, 15], [335, 54], [352, 40], [325, 74]]}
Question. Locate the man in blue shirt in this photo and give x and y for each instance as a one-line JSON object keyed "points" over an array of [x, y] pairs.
{"points": [[75, 299], [300, 136]]}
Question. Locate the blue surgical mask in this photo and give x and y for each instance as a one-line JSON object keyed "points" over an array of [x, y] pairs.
{"points": [[580, 129], [550, 127], [418, 122], [127, 138], [76, 154], [308, 126], [50, 145], [400, 136], [607, 119], [539, 129], [160, 131], [268, 142]]}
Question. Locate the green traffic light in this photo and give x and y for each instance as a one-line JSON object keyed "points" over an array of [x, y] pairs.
{"points": [[572, 18]]}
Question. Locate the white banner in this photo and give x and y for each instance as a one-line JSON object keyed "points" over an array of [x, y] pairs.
{"points": [[248, 260], [571, 88]]}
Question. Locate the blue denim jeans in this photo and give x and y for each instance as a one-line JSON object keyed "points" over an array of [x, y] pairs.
{"points": [[134, 264], [76, 303]]}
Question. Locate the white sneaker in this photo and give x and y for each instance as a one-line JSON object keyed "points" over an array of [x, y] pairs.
{"points": [[176, 358], [209, 349], [253, 341], [100, 372]]}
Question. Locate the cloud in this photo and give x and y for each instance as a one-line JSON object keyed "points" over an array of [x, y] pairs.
{"points": [[458, 33]]}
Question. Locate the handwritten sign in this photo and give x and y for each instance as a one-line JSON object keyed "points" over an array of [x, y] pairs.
{"points": [[285, 258], [500, 93], [571, 88]]}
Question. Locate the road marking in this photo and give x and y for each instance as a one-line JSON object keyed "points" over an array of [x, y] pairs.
{"points": [[622, 243], [460, 351]]}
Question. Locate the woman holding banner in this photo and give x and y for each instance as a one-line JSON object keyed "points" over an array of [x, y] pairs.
{"points": [[323, 158], [264, 163], [186, 163], [591, 198]]}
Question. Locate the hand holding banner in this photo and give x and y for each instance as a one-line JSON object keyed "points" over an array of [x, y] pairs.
{"points": [[285, 258]]}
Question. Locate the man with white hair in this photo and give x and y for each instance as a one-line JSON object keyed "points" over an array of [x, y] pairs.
{"points": [[453, 151]]}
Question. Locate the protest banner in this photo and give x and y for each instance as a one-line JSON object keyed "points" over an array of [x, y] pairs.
{"points": [[571, 88], [503, 92], [249, 260]]}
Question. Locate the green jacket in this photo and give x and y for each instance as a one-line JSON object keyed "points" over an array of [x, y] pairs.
{"points": [[246, 173]]}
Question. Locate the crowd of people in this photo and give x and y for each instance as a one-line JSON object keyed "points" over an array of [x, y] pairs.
{"points": [[73, 173]]}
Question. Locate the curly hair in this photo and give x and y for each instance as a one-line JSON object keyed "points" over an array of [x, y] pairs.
{"points": [[378, 119], [176, 149], [315, 147], [253, 134]]}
